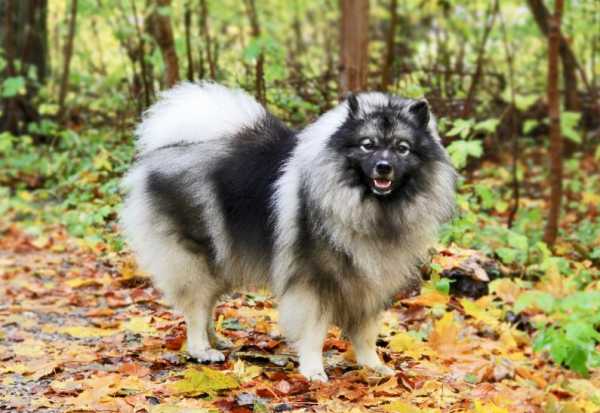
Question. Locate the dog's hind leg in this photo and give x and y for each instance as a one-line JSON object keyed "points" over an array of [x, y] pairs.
{"points": [[363, 340], [305, 325], [190, 286], [199, 331]]}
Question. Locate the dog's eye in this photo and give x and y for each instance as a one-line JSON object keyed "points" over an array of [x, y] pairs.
{"points": [[403, 148], [367, 145]]}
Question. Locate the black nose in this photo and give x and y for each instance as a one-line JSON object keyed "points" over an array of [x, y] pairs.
{"points": [[383, 168]]}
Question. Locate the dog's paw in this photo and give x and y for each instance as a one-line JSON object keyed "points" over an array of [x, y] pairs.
{"points": [[315, 374], [206, 355]]}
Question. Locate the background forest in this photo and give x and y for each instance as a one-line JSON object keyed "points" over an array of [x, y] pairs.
{"points": [[515, 85]]}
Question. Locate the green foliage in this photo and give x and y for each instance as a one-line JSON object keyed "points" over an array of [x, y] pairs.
{"points": [[568, 126], [74, 182], [461, 150], [13, 86], [572, 338]]}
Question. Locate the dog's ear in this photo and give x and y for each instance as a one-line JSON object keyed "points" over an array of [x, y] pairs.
{"points": [[419, 111], [352, 104]]}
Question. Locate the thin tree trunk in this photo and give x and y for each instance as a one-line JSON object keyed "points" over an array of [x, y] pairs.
{"points": [[259, 68], [140, 53], [187, 22], [390, 43], [162, 32], [556, 143], [354, 39], [569, 61], [67, 55], [208, 42], [491, 18], [512, 111]]}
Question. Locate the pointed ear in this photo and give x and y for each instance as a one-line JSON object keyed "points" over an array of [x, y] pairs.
{"points": [[419, 111], [352, 104]]}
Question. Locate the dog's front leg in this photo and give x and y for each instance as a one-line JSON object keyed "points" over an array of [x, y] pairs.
{"points": [[363, 341], [305, 325]]}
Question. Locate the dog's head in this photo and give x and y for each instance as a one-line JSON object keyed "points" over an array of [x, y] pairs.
{"points": [[387, 143]]}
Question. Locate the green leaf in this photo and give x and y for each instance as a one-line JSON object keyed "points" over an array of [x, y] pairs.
{"points": [[507, 255], [518, 241], [460, 151], [529, 125], [523, 102], [568, 126], [253, 50], [13, 86], [443, 285], [488, 125], [460, 127], [537, 299], [576, 360]]}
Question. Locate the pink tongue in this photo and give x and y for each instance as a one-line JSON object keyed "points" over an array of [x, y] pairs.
{"points": [[382, 183]]}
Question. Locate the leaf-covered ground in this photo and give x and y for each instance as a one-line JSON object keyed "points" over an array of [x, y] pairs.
{"points": [[82, 330]]}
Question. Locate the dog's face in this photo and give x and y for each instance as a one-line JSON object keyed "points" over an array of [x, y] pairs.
{"points": [[387, 147]]}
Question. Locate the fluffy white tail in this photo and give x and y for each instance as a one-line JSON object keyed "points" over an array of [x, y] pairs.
{"points": [[196, 112]]}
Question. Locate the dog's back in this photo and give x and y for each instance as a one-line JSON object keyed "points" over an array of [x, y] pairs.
{"points": [[198, 203]]}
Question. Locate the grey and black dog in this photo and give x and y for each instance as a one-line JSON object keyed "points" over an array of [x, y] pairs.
{"points": [[335, 219]]}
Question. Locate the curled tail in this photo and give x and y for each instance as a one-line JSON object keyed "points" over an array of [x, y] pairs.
{"points": [[195, 112]]}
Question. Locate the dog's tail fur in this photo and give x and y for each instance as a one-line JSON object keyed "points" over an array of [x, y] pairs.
{"points": [[194, 112]]}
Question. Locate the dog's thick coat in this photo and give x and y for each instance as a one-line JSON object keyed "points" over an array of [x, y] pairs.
{"points": [[223, 195]]}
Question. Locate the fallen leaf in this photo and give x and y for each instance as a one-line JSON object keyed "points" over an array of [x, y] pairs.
{"points": [[206, 380]]}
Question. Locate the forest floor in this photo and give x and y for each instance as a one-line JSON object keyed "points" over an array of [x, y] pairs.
{"points": [[82, 330]]}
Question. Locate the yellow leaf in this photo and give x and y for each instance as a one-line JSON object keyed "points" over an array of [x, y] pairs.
{"points": [[403, 342], [25, 196], [196, 382], [161, 408], [506, 289], [409, 346], [245, 372], [478, 313], [85, 332], [80, 282], [488, 408], [399, 406], [140, 325], [41, 242], [444, 336], [590, 198], [428, 299], [18, 368], [31, 348]]}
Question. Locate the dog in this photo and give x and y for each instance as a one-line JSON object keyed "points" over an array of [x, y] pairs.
{"points": [[335, 219]]}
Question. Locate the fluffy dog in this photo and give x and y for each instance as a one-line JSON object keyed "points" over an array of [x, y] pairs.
{"points": [[335, 219]]}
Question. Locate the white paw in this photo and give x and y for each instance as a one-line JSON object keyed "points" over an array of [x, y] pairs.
{"points": [[315, 374], [206, 355]]}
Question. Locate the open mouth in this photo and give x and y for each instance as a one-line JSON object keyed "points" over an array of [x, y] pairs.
{"points": [[381, 186]]}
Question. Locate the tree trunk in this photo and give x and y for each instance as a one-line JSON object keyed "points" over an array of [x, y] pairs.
{"points": [[162, 32], [187, 22], [138, 53], [514, 136], [390, 49], [491, 18], [259, 69], [23, 29], [569, 61], [67, 55], [354, 39], [556, 151], [208, 41]]}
